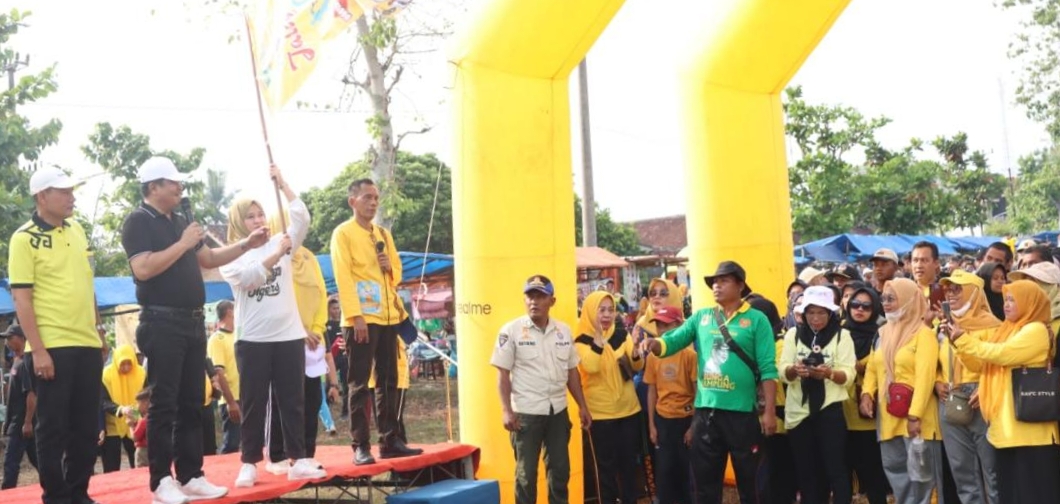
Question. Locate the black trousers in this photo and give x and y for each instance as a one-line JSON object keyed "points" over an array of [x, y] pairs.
{"points": [[1028, 474], [209, 429], [781, 469], [616, 443], [277, 369], [175, 347], [313, 397], [17, 445], [378, 353], [718, 434], [818, 445], [863, 457], [673, 474], [67, 423], [111, 452], [229, 432]]}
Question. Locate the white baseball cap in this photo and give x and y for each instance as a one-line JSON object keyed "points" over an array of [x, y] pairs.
{"points": [[49, 177], [817, 295], [158, 168]]}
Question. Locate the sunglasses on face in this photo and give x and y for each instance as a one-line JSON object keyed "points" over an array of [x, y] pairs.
{"points": [[659, 293], [859, 305]]}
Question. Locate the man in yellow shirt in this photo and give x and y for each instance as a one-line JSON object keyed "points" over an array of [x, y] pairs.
{"points": [[221, 349], [367, 272], [51, 283]]}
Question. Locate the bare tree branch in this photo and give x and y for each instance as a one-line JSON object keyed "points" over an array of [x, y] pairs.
{"points": [[397, 77], [397, 143]]}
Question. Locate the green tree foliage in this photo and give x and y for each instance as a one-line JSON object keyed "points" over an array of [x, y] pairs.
{"points": [[411, 196], [616, 237], [1035, 205], [120, 152], [888, 191], [216, 198], [1037, 50], [20, 141]]}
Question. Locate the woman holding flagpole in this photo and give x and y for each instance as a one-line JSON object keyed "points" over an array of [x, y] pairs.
{"points": [[270, 338]]}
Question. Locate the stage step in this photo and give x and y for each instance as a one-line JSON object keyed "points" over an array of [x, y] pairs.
{"points": [[454, 491]]}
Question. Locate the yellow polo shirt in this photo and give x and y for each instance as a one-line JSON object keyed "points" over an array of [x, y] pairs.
{"points": [[53, 261], [222, 351], [363, 288]]}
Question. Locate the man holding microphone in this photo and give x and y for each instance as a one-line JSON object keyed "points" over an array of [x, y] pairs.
{"points": [[367, 272]]}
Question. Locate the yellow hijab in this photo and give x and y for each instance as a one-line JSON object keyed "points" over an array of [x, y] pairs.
{"points": [[978, 317], [673, 300], [1032, 305], [122, 387], [894, 335], [237, 230], [588, 323]]}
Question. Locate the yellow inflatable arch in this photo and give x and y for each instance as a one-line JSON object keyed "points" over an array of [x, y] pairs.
{"points": [[513, 188]]}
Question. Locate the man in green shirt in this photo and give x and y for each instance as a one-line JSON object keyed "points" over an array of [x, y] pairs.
{"points": [[727, 418]]}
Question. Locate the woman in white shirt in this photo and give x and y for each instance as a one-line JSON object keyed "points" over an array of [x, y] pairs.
{"points": [[270, 338], [817, 363]]}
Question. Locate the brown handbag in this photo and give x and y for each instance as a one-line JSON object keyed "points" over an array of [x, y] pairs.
{"points": [[956, 409]]}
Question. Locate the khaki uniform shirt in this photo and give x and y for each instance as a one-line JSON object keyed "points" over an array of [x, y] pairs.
{"points": [[539, 363]]}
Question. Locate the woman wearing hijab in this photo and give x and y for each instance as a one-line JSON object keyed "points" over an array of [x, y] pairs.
{"points": [[993, 275], [970, 455], [817, 363], [608, 362], [123, 378], [794, 294], [900, 379], [270, 338], [1028, 459], [863, 310], [311, 296], [661, 292], [1047, 276]]}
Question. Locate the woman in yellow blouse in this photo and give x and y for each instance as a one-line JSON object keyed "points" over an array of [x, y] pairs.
{"points": [[607, 364], [970, 454], [661, 292], [817, 363], [1028, 459], [907, 356]]}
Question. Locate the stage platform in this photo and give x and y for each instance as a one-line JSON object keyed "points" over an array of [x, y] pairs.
{"points": [[353, 483]]}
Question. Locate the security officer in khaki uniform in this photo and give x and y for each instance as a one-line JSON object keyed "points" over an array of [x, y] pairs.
{"points": [[537, 362]]}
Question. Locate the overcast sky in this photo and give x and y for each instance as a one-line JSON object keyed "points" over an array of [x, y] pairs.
{"points": [[933, 66]]}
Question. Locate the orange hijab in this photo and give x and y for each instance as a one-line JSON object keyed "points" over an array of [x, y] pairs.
{"points": [[896, 334], [674, 300], [978, 317], [1032, 305]]}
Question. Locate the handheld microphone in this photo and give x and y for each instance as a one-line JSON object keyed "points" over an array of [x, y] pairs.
{"points": [[379, 248], [185, 208]]}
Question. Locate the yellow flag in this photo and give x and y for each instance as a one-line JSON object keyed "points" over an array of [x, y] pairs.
{"points": [[288, 36]]}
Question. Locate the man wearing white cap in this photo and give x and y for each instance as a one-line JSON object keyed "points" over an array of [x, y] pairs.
{"points": [[885, 265], [51, 283], [165, 253]]}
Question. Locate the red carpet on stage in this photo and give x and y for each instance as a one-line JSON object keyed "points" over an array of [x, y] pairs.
{"points": [[131, 486]]}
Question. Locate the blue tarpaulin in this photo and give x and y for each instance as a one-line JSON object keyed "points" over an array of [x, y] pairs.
{"points": [[852, 247], [114, 291]]}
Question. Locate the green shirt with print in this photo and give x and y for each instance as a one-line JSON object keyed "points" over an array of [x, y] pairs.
{"points": [[725, 382]]}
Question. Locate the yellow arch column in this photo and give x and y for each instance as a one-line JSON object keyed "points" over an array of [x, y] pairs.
{"points": [[513, 203], [738, 200]]}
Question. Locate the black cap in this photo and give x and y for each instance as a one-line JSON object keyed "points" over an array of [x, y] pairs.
{"points": [[13, 330], [848, 271], [729, 268]]}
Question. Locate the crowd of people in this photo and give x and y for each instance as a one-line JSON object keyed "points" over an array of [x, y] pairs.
{"points": [[278, 350], [924, 380]]}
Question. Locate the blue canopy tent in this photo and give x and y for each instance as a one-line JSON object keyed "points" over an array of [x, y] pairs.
{"points": [[851, 247], [1047, 236], [411, 266]]}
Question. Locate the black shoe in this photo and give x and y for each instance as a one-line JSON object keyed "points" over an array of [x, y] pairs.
{"points": [[362, 455], [397, 449]]}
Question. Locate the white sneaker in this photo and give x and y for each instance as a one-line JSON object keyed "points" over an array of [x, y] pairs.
{"points": [[200, 489], [248, 474], [168, 492], [278, 468], [304, 469]]}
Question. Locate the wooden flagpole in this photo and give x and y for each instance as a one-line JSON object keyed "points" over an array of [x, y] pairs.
{"points": [[261, 117]]}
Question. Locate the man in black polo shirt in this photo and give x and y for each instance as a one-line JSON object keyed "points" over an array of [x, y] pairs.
{"points": [[165, 252], [20, 408]]}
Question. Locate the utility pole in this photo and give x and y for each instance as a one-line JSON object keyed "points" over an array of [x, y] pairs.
{"points": [[588, 198], [12, 66]]}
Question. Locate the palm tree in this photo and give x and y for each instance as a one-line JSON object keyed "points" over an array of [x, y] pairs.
{"points": [[216, 198]]}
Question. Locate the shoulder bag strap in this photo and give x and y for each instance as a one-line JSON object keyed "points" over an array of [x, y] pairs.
{"points": [[734, 347]]}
